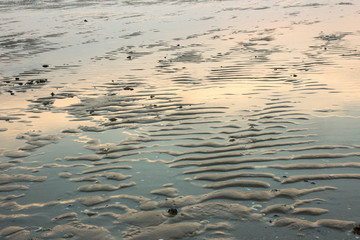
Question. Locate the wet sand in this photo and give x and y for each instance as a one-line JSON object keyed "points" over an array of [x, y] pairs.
{"points": [[179, 119]]}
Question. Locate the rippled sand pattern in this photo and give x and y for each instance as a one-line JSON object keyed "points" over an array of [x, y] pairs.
{"points": [[179, 119]]}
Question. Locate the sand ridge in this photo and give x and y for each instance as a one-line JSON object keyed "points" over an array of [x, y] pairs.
{"points": [[176, 119]]}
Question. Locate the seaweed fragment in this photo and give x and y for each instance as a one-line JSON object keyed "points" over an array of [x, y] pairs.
{"points": [[172, 212], [356, 229]]}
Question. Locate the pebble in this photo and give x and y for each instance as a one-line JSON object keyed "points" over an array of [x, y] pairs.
{"points": [[172, 211]]}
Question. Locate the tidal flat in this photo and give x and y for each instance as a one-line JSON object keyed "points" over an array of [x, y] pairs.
{"points": [[168, 119]]}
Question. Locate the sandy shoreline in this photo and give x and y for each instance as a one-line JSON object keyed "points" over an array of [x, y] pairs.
{"points": [[179, 120]]}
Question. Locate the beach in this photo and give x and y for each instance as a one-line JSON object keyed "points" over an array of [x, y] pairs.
{"points": [[166, 119]]}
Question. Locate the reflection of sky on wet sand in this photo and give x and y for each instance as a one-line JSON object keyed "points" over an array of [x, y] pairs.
{"points": [[51, 123], [66, 102], [156, 105]]}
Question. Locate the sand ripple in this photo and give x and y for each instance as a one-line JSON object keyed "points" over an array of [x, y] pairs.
{"points": [[179, 119]]}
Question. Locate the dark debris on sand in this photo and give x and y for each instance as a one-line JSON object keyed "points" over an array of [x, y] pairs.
{"points": [[172, 212], [356, 229]]}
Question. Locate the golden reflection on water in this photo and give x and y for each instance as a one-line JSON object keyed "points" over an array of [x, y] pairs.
{"points": [[66, 102], [196, 104]]}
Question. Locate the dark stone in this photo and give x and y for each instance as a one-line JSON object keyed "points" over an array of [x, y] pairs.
{"points": [[45, 65], [172, 211], [356, 229], [112, 119], [128, 88]]}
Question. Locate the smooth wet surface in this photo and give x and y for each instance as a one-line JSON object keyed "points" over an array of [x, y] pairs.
{"points": [[243, 116]]}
